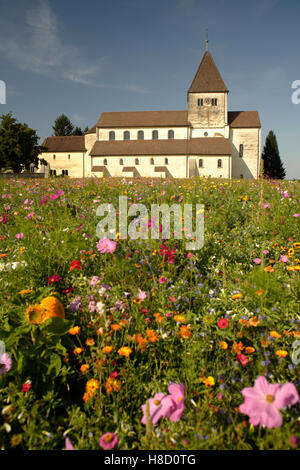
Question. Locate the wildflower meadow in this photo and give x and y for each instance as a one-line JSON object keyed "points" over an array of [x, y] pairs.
{"points": [[143, 344]]}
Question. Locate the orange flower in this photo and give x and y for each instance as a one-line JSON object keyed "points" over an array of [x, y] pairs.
{"points": [[264, 343], [112, 385], [237, 296], [152, 336], [249, 350], [84, 367], [237, 348], [254, 321], [259, 292], [53, 307], [74, 331], [224, 345], [99, 331], [77, 351], [185, 332], [287, 333], [107, 349], [142, 342], [91, 386], [125, 351], [116, 327], [269, 269], [274, 334], [90, 342], [281, 353], [244, 322], [296, 334]]}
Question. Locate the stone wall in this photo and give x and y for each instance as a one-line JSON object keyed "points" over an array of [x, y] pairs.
{"points": [[248, 165], [207, 116]]}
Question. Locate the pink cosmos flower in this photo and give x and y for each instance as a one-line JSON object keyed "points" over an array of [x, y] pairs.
{"points": [[108, 440], [5, 363], [178, 397], [263, 402], [266, 206], [44, 200], [68, 444], [296, 215], [106, 245], [162, 280], [142, 295], [284, 258], [160, 406], [19, 235], [94, 281], [266, 252], [257, 261]]}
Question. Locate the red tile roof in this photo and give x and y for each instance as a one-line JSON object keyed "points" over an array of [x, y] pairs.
{"points": [[68, 143], [240, 119], [127, 119], [200, 146]]}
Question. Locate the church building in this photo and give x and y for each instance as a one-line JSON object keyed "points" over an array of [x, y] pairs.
{"points": [[204, 140]]}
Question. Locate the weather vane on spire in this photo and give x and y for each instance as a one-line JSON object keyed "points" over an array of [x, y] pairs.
{"points": [[206, 39]]}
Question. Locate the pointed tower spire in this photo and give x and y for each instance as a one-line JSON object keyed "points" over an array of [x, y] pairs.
{"points": [[207, 78]]}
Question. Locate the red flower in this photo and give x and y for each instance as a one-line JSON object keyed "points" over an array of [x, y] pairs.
{"points": [[66, 291], [76, 264], [25, 387], [54, 278], [242, 359], [114, 374], [223, 323]]}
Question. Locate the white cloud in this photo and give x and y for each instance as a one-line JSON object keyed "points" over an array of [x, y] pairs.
{"points": [[37, 46]]}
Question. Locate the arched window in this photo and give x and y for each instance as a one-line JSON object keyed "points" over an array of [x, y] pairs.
{"points": [[220, 163], [154, 135], [66, 172], [69, 157], [112, 135], [126, 135], [136, 161], [121, 161], [170, 134], [241, 150], [166, 161], [140, 135], [200, 163], [54, 157], [54, 172], [63, 172], [105, 161], [151, 161]]}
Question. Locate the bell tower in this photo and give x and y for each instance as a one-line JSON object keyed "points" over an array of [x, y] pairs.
{"points": [[207, 96]]}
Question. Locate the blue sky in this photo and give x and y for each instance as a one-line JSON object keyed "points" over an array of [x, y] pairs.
{"points": [[83, 58]]}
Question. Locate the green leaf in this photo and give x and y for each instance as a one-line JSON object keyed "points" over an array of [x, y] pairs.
{"points": [[57, 326]]}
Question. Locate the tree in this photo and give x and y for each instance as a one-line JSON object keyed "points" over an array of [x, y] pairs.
{"points": [[18, 145], [273, 167], [77, 131], [63, 126]]}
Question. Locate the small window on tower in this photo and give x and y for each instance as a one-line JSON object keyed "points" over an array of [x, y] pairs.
{"points": [[214, 102], [166, 161], [54, 157], [69, 157], [200, 163], [220, 163], [200, 102]]}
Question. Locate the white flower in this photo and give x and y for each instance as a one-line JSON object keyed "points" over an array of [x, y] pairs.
{"points": [[100, 308]]}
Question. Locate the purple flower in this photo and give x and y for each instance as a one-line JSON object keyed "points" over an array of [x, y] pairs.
{"points": [[263, 402], [5, 363], [75, 304]]}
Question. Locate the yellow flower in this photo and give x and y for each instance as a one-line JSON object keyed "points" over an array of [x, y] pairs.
{"points": [[91, 386], [25, 291], [74, 331], [53, 307], [35, 314], [179, 318], [281, 353], [209, 381], [223, 345], [22, 249], [237, 296], [274, 334], [107, 349], [125, 351], [297, 245]]}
